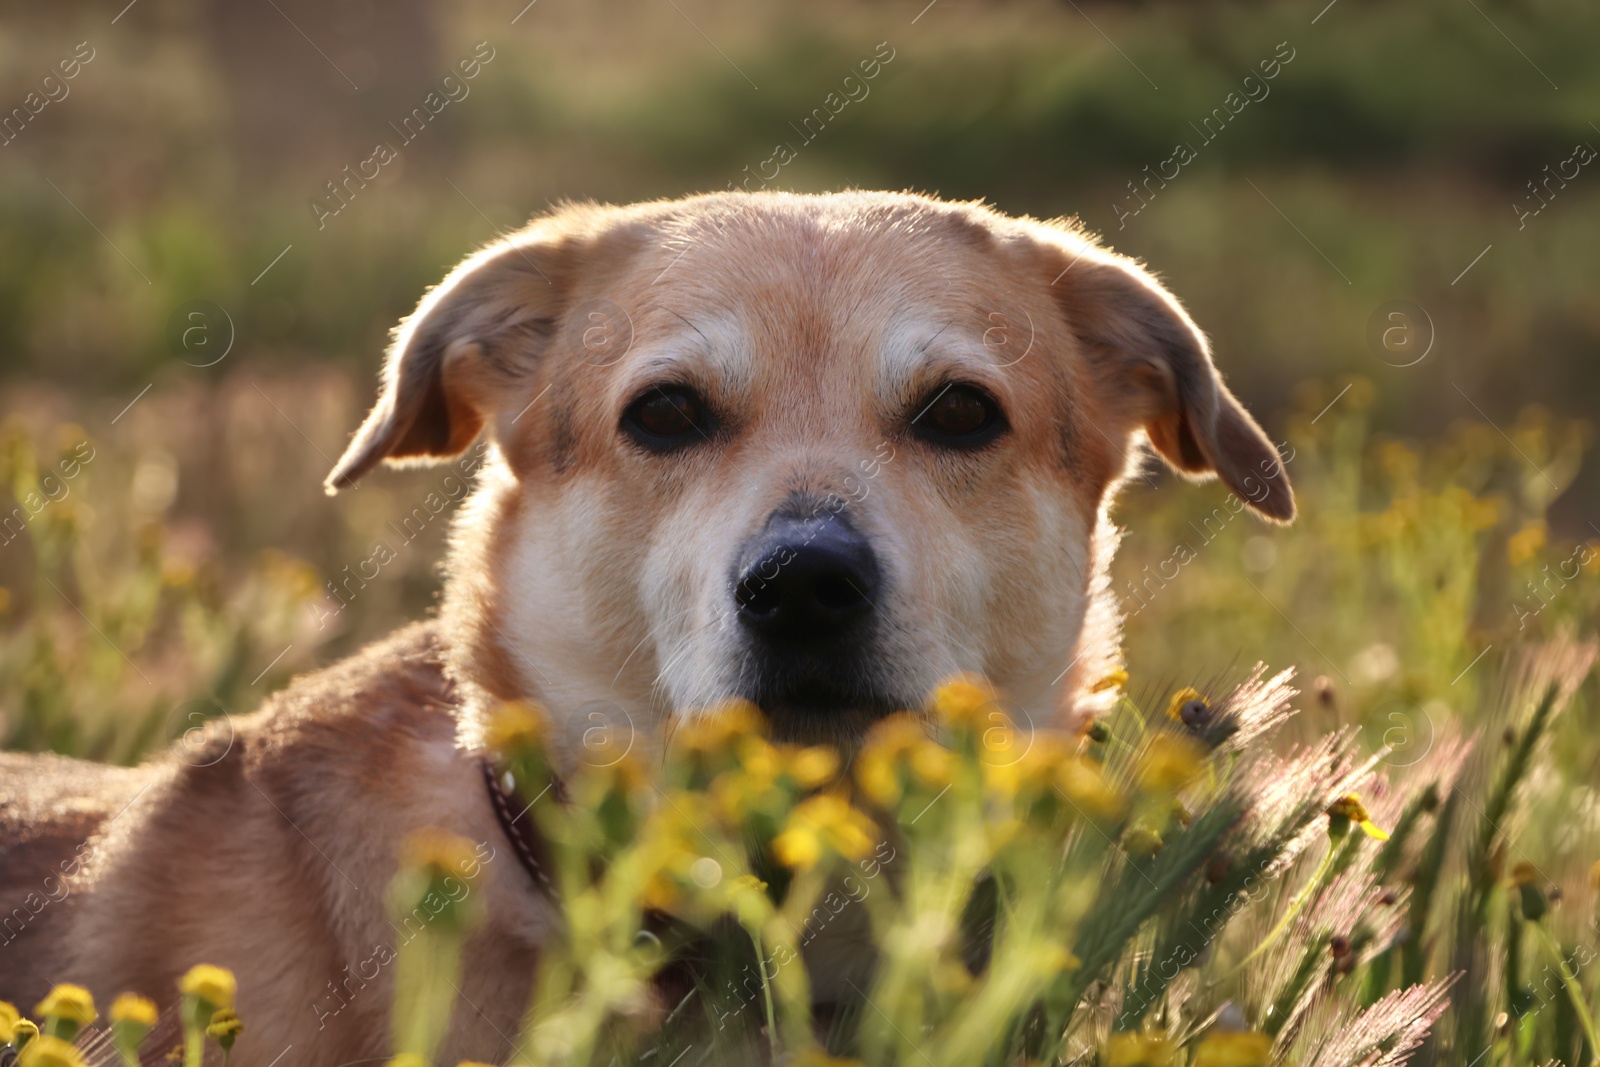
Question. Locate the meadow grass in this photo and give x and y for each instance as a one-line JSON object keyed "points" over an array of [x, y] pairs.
{"points": [[1397, 862]]}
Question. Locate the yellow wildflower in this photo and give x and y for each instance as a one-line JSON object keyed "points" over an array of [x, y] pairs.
{"points": [[932, 764], [1169, 763], [1179, 699], [26, 1030], [879, 762], [962, 699], [440, 852], [214, 985], [224, 1028], [812, 766], [70, 1002], [1228, 1049], [823, 822], [1083, 783], [517, 726], [1139, 1050], [46, 1051], [1349, 809], [720, 726], [132, 1008], [1525, 543], [1142, 841], [1524, 873], [1115, 680], [9, 1017], [759, 760], [798, 848]]}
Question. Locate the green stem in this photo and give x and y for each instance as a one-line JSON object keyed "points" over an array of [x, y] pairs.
{"points": [[766, 995], [1295, 907], [1574, 991]]}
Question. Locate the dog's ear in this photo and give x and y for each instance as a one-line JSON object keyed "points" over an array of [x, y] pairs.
{"points": [[470, 335], [1151, 361]]}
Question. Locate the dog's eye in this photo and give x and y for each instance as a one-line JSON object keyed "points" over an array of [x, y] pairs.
{"points": [[667, 417], [959, 416]]}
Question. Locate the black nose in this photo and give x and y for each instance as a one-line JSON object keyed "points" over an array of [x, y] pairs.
{"points": [[806, 580]]}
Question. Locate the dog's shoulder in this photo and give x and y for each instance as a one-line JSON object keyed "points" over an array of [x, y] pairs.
{"points": [[394, 688]]}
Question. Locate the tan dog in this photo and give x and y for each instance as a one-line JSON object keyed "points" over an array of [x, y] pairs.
{"points": [[814, 451]]}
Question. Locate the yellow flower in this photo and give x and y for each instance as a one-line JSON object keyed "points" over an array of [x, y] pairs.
{"points": [[1139, 1050], [517, 726], [70, 1002], [1227, 1049], [759, 760], [1349, 809], [1115, 680], [1084, 783], [798, 848], [1142, 841], [1525, 543], [962, 699], [823, 822], [717, 728], [132, 1008], [26, 1031], [1524, 873], [9, 1017], [813, 766], [882, 755], [224, 1028], [932, 763], [214, 985], [439, 851], [1179, 699], [1169, 763], [46, 1051]]}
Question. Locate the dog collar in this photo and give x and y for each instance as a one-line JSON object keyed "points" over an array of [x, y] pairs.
{"points": [[526, 841]]}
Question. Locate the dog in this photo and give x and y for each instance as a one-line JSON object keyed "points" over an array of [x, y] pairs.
{"points": [[813, 451]]}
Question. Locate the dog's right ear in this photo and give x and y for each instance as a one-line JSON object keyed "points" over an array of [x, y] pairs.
{"points": [[469, 337]]}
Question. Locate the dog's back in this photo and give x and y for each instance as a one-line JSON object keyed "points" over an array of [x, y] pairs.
{"points": [[267, 847], [51, 808]]}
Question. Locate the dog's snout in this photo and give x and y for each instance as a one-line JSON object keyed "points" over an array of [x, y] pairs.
{"points": [[808, 580]]}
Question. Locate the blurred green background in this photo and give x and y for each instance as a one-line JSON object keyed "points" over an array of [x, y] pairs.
{"points": [[179, 571]]}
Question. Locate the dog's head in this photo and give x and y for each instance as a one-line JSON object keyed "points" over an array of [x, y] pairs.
{"points": [[818, 452]]}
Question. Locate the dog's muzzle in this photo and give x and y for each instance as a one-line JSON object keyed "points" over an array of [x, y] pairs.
{"points": [[807, 590], [807, 582]]}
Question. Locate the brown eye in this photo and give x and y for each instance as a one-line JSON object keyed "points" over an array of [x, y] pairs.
{"points": [[667, 417], [959, 416]]}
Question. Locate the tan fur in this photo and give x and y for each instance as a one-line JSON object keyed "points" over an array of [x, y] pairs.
{"points": [[595, 577]]}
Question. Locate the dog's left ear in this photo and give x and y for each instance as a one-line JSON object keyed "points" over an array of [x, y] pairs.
{"points": [[1150, 360], [469, 338]]}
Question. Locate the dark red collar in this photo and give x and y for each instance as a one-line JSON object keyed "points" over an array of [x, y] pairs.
{"points": [[529, 845]]}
